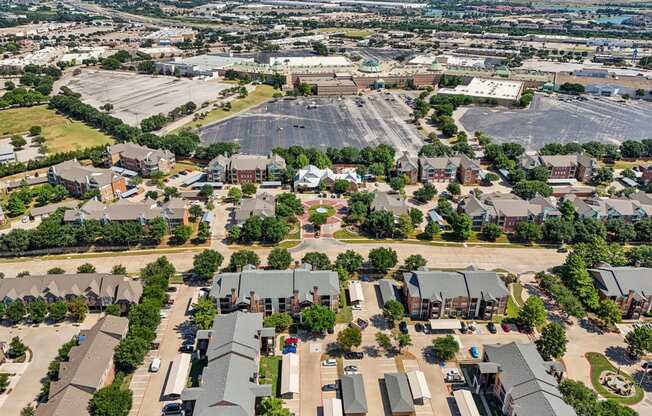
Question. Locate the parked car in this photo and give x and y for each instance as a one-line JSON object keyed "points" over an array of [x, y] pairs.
{"points": [[329, 387], [475, 353], [354, 355], [351, 368], [173, 409], [171, 289], [291, 340], [403, 327], [453, 375], [331, 362], [291, 348], [418, 327], [463, 327], [492, 327], [187, 348], [647, 364], [155, 365], [356, 307], [506, 327]]}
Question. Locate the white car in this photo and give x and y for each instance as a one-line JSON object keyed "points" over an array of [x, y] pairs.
{"points": [[356, 307], [331, 362], [155, 365]]}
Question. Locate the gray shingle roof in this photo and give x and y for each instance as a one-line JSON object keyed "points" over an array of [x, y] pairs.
{"points": [[440, 285], [392, 202], [619, 281], [263, 205], [354, 399], [524, 375], [398, 393]]}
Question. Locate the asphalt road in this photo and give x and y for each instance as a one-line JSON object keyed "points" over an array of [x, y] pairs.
{"points": [[549, 120]]}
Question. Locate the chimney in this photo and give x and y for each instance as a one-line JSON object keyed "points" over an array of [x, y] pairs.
{"points": [[295, 300], [234, 298], [315, 295], [253, 302]]}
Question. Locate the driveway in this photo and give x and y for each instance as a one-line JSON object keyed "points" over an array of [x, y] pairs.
{"points": [[148, 387], [44, 342], [311, 376]]}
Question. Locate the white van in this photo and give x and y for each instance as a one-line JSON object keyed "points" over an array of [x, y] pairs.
{"points": [[155, 365]]}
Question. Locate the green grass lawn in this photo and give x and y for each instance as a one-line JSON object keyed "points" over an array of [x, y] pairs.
{"points": [[346, 234], [330, 211], [512, 308], [599, 363], [62, 135], [261, 94], [518, 293], [270, 373], [196, 368]]}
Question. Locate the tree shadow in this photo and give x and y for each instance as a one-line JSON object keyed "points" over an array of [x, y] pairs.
{"points": [[644, 379], [590, 327], [380, 322], [618, 354]]}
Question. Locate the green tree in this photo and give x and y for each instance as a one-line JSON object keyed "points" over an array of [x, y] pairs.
{"points": [[318, 318], [349, 337], [416, 216], [454, 188], [58, 311], [248, 188], [426, 193], [113, 310], [16, 311], [318, 261], [111, 401], [402, 341], [78, 309], [16, 348], [577, 278], [608, 312], [414, 262], [273, 230], [181, 234], [4, 382], [528, 231], [118, 269], [431, 230], [639, 341], [56, 270], [86, 268], [393, 311], [490, 232], [203, 313], [533, 313], [461, 225], [552, 343], [15, 205], [130, 353], [445, 348], [206, 263], [382, 259], [234, 195], [272, 406], [279, 320], [28, 410], [242, 258], [384, 341], [38, 309], [279, 258], [340, 186], [349, 260], [195, 212]]}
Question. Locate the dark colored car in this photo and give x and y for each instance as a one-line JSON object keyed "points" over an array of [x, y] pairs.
{"points": [[506, 327], [329, 387], [463, 327], [187, 348], [354, 355], [403, 327], [418, 327], [351, 368], [491, 327], [171, 409], [171, 289]]}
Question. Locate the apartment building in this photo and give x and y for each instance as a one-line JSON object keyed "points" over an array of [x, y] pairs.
{"points": [[79, 179], [99, 290], [139, 158], [468, 294], [392, 202], [262, 205], [628, 210], [407, 166], [629, 287], [506, 210], [174, 212], [229, 381], [240, 168], [446, 169], [89, 368], [269, 291], [522, 381], [562, 167], [313, 178]]}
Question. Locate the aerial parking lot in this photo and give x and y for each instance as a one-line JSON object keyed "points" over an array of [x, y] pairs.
{"points": [[330, 122], [135, 97], [563, 119]]}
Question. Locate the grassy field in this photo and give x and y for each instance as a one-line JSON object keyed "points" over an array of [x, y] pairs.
{"points": [[349, 33], [518, 294], [61, 134], [261, 94], [599, 363], [270, 367]]}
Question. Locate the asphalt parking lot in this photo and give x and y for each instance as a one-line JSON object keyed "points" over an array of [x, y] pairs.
{"points": [[333, 123], [550, 120], [135, 97]]}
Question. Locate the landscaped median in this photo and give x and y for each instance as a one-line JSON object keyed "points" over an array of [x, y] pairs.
{"points": [[599, 365]]}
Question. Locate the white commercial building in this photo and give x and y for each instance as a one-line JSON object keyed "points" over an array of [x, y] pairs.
{"points": [[294, 61], [502, 91]]}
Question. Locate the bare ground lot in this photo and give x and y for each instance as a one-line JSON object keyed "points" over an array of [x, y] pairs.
{"points": [[549, 120], [135, 97], [334, 123]]}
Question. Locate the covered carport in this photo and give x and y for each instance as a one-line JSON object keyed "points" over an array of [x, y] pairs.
{"points": [[333, 407], [289, 375], [418, 386], [465, 403], [444, 324], [355, 292], [178, 377]]}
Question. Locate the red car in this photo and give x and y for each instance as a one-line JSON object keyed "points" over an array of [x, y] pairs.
{"points": [[291, 340], [506, 327]]}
